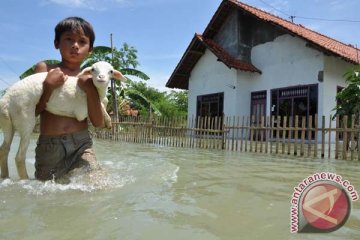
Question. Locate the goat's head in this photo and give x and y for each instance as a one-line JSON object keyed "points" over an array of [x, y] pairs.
{"points": [[101, 73]]}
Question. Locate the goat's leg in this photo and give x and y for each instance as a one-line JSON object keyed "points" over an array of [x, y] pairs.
{"points": [[21, 156], [107, 118], [5, 149]]}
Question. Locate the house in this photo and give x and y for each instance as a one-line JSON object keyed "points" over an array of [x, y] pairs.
{"points": [[250, 62]]}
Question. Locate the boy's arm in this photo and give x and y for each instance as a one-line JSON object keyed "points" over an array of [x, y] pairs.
{"points": [[54, 79], [93, 102]]}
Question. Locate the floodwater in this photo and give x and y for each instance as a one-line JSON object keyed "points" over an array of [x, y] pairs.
{"points": [[152, 193]]}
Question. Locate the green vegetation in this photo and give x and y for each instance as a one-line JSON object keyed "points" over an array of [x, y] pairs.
{"points": [[348, 99], [173, 104], [135, 94]]}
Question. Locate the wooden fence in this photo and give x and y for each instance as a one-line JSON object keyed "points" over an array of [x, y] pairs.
{"points": [[298, 136]]}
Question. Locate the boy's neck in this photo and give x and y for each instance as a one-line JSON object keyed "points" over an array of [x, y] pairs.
{"points": [[69, 69]]}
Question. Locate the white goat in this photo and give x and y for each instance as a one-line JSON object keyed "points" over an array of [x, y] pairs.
{"points": [[17, 108]]}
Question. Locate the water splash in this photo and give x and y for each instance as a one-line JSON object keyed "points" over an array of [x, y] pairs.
{"points": [[170, 175], [99, 179]]}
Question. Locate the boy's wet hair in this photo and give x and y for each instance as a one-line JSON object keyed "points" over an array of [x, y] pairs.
{"points": [[75, 24]]}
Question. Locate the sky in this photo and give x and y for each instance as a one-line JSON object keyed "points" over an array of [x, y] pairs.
{"points": [[160, 30]]}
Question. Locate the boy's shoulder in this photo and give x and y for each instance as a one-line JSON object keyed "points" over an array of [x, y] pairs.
{"points": [[44, 67]]}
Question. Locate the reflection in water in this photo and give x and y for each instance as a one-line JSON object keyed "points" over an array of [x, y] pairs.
{"points": [[149, 192]]}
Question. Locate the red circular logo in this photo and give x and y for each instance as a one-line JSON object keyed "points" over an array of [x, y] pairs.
{"points": [[325, 207]]}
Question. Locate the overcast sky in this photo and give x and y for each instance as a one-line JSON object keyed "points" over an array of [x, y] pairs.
{"points": [[159, 29]]}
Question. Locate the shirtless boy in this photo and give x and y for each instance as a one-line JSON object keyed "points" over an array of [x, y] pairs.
{"points": [[64, 143]]}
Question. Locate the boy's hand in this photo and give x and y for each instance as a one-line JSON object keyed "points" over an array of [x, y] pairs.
{"points": [[54, 79], [85, 83]]}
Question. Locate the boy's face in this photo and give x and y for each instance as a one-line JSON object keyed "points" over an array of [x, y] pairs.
{"points": [[73, 46]]}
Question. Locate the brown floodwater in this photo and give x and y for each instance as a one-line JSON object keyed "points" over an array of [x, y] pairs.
{"points": [[150, 192]]}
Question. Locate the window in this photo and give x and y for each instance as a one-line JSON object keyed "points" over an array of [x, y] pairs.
{"points": [[210, 105], [292, 101], [299, 101]]}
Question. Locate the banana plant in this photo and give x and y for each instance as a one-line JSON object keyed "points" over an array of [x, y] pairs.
{"points": [[31, 70], [124, 60], [126, 91]]}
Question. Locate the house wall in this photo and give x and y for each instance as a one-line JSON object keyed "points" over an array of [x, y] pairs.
{"points": [[227, 37], [284, 62], [211, 76], [334, 70], [241, 32]]}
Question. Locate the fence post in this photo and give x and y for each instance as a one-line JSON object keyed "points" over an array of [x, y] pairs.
{"points": [[352, 139], [213, 133], [303, 124], [310, 125], [284, 126], [316, 136], [345, 138], [224, 133]]}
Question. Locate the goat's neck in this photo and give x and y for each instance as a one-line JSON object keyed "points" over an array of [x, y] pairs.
{"points": [[102, 92]]}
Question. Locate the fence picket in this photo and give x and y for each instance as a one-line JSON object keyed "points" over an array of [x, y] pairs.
{"points": [[304, 137]]}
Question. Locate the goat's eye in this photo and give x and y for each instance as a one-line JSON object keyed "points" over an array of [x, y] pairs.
{"points": [[92, 69], [111, 71]]}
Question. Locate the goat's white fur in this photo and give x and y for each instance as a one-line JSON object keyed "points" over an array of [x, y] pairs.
{"points": [[17, 108]]}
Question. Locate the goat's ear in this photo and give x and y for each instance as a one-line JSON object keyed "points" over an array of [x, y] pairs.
{"points": [[86, 71], [118, 75]]}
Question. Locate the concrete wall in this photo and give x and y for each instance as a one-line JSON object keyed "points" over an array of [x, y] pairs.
{"points": [[284, 62], [211, 76], [241, 32], [334, 69], [227, 37]]}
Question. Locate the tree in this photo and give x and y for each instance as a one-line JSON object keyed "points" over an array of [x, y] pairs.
{"points": [[179, 99], [348, 99], [124, 60], [173, 104]]}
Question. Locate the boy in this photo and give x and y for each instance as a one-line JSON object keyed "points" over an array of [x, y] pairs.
{"points": [[64, 143]]}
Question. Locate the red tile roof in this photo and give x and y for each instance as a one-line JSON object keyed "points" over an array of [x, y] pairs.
{"points": [[198, 45], [346, 51]]}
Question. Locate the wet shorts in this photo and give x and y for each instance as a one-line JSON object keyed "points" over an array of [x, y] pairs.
{"points": [[55, 156]]}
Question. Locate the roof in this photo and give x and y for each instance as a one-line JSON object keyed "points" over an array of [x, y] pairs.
{"points": [[225, 57], [194, 52], [198, 45]]}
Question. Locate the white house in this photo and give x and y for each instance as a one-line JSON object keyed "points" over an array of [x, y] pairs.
{"points": [[250, 62]]}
